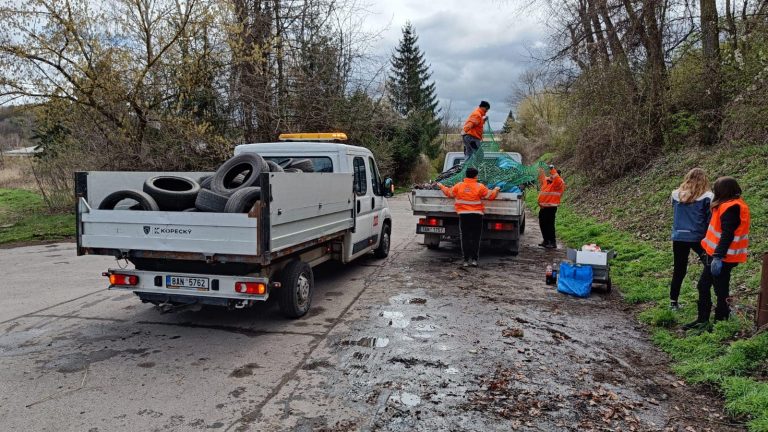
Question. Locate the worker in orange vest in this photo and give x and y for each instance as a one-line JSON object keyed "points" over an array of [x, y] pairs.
{"points": [[551, 190], [469, 205], [472, 132], [726, 245]]}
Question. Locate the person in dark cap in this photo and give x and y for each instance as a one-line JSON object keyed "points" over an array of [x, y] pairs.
{"points": [[472, 132]]}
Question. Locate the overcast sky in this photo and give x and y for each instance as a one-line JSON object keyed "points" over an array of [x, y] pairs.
{"points": [[476, 48]]}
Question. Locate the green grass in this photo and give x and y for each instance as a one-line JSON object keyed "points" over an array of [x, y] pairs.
{"points": [[24, 218], [633, 217]]}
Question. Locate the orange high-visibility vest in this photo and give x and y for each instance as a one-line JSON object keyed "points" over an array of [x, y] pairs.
{"points": [[551, 192], [469, 195], [475, 123], [738, 249]]}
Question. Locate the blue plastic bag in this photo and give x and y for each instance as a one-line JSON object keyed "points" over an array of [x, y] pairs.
{"points": [[574, 280]]}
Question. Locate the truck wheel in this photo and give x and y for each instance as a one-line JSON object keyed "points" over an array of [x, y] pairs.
{"points": [[383, 250], [522, 227], [432, 241], [242, 200], [144, 200], [608, 286], [172, 193], [250, 165], [210, 201], [295, 294]]}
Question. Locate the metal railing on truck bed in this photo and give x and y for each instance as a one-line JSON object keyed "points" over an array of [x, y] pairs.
{"points": [[299, 211]]}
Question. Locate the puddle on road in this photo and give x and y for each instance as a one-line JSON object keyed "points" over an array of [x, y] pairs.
{"points": [[368, 342], [396, 319]]}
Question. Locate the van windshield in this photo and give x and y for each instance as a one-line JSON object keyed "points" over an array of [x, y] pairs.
{"points": [[321, 164]]}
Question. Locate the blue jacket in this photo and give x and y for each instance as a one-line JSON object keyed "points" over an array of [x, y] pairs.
{"points": [[692, 219]]}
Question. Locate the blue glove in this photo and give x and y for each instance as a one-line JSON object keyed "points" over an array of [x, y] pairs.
{"points": [[716, 267]]}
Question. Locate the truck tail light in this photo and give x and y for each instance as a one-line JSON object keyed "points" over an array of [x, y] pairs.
{"points": [[123, 279], [431, 222], [257, 288], [499, 226]]}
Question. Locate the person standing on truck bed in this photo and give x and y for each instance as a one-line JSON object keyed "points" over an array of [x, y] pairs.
{"points": [[551, 190], [469, 205], [472, 132]]}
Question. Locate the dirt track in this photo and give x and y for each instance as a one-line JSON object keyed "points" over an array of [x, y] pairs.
{"points": [[411, 343]]}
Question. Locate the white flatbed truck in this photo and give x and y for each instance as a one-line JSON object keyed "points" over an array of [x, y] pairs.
{"points": [[503, 224], [236, 259]]}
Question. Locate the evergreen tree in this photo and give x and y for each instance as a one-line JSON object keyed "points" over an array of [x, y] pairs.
{"points": [[509, 123], [412, 96]]}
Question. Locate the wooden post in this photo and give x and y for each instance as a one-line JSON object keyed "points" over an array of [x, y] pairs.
{"points": [[762, 298]]}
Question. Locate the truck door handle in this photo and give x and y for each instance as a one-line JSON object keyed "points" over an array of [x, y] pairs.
{"points": [[373, 203], [358, 206]]}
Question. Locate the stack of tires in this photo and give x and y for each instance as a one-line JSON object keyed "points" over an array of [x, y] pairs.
{"points": [[233, 188]]}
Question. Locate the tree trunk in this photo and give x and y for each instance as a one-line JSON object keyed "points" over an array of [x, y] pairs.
{"points": [[711, 73]]}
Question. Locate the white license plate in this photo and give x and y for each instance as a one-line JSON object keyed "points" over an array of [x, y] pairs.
{"points": [[433, 230], [197, 283]]}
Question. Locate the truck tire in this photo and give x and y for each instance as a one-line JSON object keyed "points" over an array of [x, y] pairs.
{"points": [[210, 201], [522, 227], [295, 294], [512, 247], [172, 193], [386, 240], [242, 200], [250, 165], [293, 170], [305, 165], [432, 241], [274, 167], [285, 163], [144, 201], [205, 181]]}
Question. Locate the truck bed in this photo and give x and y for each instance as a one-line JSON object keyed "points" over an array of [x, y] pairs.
{"points": [[431, 202], [302, 208]]}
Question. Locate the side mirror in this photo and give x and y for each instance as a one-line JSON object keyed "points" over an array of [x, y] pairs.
{"points": [[389, 187]]}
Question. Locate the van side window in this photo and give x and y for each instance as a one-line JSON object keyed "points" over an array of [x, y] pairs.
{"points": [[375, 177], [361, 179]]}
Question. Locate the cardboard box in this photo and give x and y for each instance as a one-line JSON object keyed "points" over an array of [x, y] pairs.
{"points": [[592, 258]]}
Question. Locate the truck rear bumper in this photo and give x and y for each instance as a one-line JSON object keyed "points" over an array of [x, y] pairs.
{"points": [[219, 289]]}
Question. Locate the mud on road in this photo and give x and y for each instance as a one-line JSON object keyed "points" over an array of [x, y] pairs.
{"points": [[410, 343]]}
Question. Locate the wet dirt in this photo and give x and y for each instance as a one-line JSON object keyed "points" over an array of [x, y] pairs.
{"points": [[491, 348]]}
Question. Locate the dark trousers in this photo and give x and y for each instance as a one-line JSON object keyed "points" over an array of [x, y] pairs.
{"points": [[681, 251], [470, 227], [471, 144], [547, 224], [722, 291]]}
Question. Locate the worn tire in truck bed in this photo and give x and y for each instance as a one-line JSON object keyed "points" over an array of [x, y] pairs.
{"points": [[210, 201], [295, 294], [250, 165], [242, 200], [144, 200], [172, 192]]}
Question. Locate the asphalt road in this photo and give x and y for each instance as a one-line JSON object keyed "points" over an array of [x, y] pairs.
{"points": [[407, 343]]}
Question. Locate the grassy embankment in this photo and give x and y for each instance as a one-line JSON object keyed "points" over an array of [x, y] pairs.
{"points": [[633, 216], [24, 218]]}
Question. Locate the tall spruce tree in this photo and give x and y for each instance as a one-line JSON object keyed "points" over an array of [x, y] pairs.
{"points": [[509, 123], [413, 97]]}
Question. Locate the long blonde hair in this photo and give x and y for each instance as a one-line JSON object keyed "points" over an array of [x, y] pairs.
{"points": [[694, 185]]}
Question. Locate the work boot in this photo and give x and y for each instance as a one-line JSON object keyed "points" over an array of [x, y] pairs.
{"points": [[465, 263], [543, 244], [696, 325], [473, 263], [675, 306], [551, 245]]}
